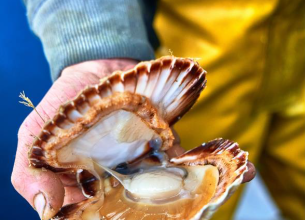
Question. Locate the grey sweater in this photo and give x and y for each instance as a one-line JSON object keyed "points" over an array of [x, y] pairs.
{"points": [[74, 31]]}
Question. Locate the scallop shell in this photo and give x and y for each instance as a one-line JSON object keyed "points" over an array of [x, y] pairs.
{"points": [[231, 163], [118, 121], [225, 155], [159, 92]]}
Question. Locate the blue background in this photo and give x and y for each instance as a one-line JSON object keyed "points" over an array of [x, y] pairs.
{"points": [[22, 67]]}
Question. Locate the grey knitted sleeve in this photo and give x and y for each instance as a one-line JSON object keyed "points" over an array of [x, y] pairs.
{"points": [[73, 31]]}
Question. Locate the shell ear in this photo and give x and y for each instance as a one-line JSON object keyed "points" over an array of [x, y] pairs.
{"points": [[171, 84]]}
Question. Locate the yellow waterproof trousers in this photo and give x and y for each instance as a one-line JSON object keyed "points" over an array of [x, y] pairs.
{"points": [[254, 52]]}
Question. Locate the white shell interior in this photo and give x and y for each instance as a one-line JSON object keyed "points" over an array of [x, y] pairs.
{"points": [[119, 137]]}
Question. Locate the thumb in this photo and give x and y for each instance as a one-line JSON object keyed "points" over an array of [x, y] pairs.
{"points": [[42, 189]]}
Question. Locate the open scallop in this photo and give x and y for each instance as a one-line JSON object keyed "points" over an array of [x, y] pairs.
{"points": [[123, 123]]}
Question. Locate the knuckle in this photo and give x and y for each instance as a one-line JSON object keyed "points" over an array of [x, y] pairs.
{"points": [[15, 182]]}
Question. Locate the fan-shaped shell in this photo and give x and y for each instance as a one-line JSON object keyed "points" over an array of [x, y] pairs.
{"points": [[123, 119], [159, 92]]}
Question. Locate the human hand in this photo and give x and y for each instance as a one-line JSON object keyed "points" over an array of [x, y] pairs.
{"points": [[46, 191]]}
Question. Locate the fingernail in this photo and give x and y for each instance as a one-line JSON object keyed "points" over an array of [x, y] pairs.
{"points": [[250, 174], [40, 204]]}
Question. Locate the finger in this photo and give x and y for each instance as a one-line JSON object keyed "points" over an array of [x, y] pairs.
{"points": [[73, 195], [100, 68], [250, 174], [175, 151], [68, 179], [42, 189]]}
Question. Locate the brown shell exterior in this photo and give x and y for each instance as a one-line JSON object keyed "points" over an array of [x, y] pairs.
{"points": [[133, 103], [231, 162], [143, 90]]}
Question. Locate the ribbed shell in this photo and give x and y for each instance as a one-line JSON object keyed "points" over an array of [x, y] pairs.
{"points": [[159, 92], [226, 155], [231, 162], [171, 84]]}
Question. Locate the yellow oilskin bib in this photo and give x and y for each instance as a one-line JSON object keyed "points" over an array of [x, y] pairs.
{"points": [[254, 52]]}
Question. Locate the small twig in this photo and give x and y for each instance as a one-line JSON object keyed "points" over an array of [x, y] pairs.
{"points": [[170, 52], [27, 102]]}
